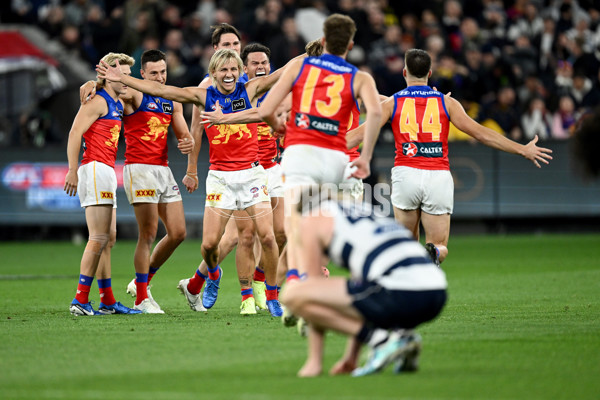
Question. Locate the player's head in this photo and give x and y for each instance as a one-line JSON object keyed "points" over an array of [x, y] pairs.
{"points": [[417, 64], [154, 66], [339, 31], [256, 58], [225, 36], [586, 142], [225, 67], [111, 59], [314, 48]]}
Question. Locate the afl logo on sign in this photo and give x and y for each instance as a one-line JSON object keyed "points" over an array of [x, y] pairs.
{"points": [[409, 149]]}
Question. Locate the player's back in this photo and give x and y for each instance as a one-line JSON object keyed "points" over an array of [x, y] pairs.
{"points": [[379, 249], [322, 103], [421, 124]]}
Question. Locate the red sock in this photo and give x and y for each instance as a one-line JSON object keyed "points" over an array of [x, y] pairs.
{"points": [[259, 275], [83, 294], [106, 296], [142, 291], [151, 273], [196, 282]]}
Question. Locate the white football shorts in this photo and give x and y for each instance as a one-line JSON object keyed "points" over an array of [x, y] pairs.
{"points": [[146, 183], [275, 181], [236, 190], [305, 165], [432, 191], [97, 184]]}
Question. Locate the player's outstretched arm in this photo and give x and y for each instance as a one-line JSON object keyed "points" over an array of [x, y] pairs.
{"points": [[490, 138], [183, 95], [218, 118], [355, 136]]}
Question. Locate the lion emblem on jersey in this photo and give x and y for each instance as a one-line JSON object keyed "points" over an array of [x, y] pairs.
{"points": [[263, 132], [226, 131], [157, 128], [114, 136]]}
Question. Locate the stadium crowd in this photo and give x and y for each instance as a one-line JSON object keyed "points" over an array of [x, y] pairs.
{"points": [[522, 67]]}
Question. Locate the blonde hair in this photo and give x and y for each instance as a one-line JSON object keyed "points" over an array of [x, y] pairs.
{"points": [[220, 58], [111, 59]]}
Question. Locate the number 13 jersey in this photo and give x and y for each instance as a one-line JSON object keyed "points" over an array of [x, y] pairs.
{"points": [[322, 102], [420, 123]]}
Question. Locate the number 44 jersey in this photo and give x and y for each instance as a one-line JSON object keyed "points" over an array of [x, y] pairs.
{"points": [[420, 123]]}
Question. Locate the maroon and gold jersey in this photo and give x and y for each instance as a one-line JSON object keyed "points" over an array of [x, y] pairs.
{"points": [[146, 132], [322, 102], [420, 123], [102, 137], [233, 147], [267, 143]]}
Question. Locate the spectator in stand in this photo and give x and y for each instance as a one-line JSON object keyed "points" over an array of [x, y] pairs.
{"points": [[529, 24], [583, 92], [537, 120], [451, 21], [287, 46], [503, 114], [386, 59], [564, 118]]}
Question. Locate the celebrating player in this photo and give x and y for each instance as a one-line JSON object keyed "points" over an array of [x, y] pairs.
{"points": [[99, 123], [422, 186]]}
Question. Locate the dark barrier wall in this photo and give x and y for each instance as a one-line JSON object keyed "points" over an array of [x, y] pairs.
{"points": [[488, 184]]}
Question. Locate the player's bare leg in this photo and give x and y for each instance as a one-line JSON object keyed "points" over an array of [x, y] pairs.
{"points": [[215, 220], [313, 366], [173, 218], [349, 361], [263, 220], [244, 254], [99, 220], [410, 219], [146, 215], [104, 265], [437, 232], [228, 242]]}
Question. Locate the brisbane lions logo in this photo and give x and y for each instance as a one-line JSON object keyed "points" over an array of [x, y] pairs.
{"points": [[114, 137], [156, 128], [302, 121], [409, 149], [225, 132]]}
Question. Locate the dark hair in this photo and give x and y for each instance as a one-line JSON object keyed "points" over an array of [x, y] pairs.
{"points": [[418, 63], [586, 141], [254, 48], [221, 29], [152, 55], [339, 30]]}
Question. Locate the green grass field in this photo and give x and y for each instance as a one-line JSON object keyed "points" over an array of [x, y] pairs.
{"points": [[522, 322]]}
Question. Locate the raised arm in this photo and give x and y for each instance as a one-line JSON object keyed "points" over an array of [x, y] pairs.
{"points": [[277, 94], [183, 95], [493, 139]]}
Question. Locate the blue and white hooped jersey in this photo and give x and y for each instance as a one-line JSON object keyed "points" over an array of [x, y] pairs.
{"points": [[378, 249]]}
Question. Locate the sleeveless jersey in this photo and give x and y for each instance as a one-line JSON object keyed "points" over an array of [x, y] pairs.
{"points": [[146, 132], [267, 143], [420, 123], [322, 101], [378, 249], [102, 137], [233, 147], [352, 124]]}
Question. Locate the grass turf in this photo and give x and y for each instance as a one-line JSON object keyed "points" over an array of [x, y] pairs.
{"points": [[522, 322]]}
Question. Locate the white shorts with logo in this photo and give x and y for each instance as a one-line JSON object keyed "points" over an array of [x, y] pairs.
{"points": [[97, 184], [146, 183], [351, 188], [236, 190], [309, 165], [430, 191], [275, 181]]}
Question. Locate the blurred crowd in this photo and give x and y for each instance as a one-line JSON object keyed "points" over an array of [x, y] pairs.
{"points": [[522, 67]]}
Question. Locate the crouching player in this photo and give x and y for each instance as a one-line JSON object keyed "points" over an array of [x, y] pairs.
{"points": [[393, 286]]}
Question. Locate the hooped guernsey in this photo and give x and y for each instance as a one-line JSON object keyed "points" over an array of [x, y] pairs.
{"points": [[267, 143], [146, 132], [233, 147], [322, 103], [421, 123], [101, 139]]}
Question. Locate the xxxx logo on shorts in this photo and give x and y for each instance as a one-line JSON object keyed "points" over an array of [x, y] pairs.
{"points": [[213, 197], [107, 195], [145, 193]]}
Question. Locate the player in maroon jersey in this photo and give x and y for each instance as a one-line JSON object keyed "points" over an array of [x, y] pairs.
{"points": [[99, 124], [422, 186]]}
